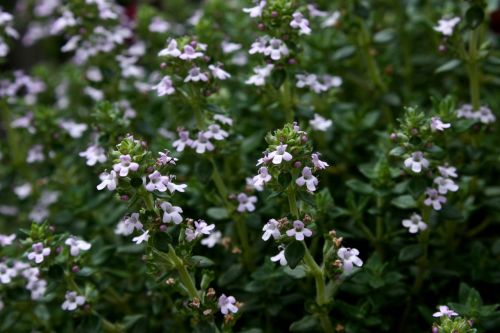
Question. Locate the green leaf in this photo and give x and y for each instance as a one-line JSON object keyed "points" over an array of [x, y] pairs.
{"points": [[448, 66], [277, 78], [359, 186], [201, 261], [306, 324], [398, 151], [203, 170], [298, 272], [410, 252], [294, 252], [136, 182], [218, 213], [230, 275], [404, 202], [344, 52], [474, 17], [130, 321]]}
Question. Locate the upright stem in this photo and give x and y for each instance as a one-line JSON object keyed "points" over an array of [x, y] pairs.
{"points": [[315, 269], [372, 67], [473, 68], [287, 101], [184, 275], [219, 183]]}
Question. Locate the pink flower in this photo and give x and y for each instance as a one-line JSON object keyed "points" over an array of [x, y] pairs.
{"points": [[349, 257], [226, 304], [125, 165], [445, 311], [299, 231]]}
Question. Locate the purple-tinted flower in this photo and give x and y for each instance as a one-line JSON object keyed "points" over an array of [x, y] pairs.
{"points": [[171, 50], [261, 179], [445, 185], [280, 154], [446, 26], [201, 228], [190, 53], [6, 273], [416, 162], [301, 23], [448, 171], [77, 245], [257, 10], [445, 311], [349, 257], [414, 223], [319, 123], [276, 49], [246, 203], [434, 199], [109, 180], [196, 75], [157, 182], [202, 143], [271, 228], [218, 72], [183, 141], [125, 165], [94, 154], [216, 132], [39, 252], [142, 238], [318, 164], [307, 179], [171, 213], [212, 239], [226, 304], [73, 300], [438, 125], [261, 73], [299, 231], [6, 240], [164, 87], [128, 224], [280, 257]]}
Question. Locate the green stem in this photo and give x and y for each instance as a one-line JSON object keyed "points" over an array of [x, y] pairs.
{"points": [[199, 116], [372, 67], [241, 229], [292, 201], [184, 275], [219, 182], [287, 101], [473, 68]]}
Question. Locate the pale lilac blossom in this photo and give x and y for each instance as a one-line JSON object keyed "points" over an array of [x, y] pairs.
{"points": [[301, 23], [218, 72], [332, 20], [416, 162], [201, 228], [276, 49], [196, 75], [319, 123], [445, 184], [318, 164], [128, 224], [171, 187], [261, 179], [190, 53], [434, 199], [94, 154], [23, 191], [171, 213], [349, 257], [202, 143], [157, 182], [280, 154], [171, 50], [141, 238], [438, 125], [261, 73], [108, 180], [257, 10], [271, 228], [164, 87], [6, 240], [280, 257], [448, 171], [307, 179], [73, 301], [414, 223], [35, 154], [223, 119], [299, 231], [446, 26], [445, 311], [246, 203], [39, 252], [183, 141], [76, 245], [159, 25], [6, 273], [227, 304], [212, 239], [125, 165], [216, 132], [228, 47], [260, 45]]}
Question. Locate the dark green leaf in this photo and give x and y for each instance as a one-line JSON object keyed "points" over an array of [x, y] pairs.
{"points": [[294, 252]]}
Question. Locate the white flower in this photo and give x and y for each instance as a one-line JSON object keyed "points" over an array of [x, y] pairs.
{"points": [[434, 199], [157, 182], [319, 123], [201, 228], [271, 228], [142, 238], [94, 154], [165, 158], [331, 20], [301, 23], [280, 257], [280, 154], [164, 87], [259, 46], [171, 213], [223, 119], [246, 203], [257, 10], [95, 94], [276, 49], [190, 53], [109, 180], [183, 141], [299, 231], [35, 154], [212, 239], [261, 73], [445, 311], [75, 130], [128, 224], [73, 300], [23, 191], [445, 185], [195, 75], [448, 171], [261, 179], [94, 74], [218, 72], [171, 187], [214, 131], [308, 179], [416, 162], [76, 245], [39, 252], [158, 25], [315, 12], [318, 164], [37, 288], [6, 240], [226, 304], [438, 125], [349, 257], [171, 50], [414, 223], [484, 115], [446, 26], [228, 47], [6, 273], [125, 165], [202, 144]]}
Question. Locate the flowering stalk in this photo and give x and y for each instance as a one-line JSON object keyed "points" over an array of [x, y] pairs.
{"points": [[373, 70], [184, 275]]}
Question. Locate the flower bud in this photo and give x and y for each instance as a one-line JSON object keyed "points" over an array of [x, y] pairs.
{"points": [[442, 48], [292, 61], [414, 131], [124, 197], [274, 13], [163, 65], [261, 26], [394, 136], [297, 164], [435, 329], [163, 228], [75, 269]]}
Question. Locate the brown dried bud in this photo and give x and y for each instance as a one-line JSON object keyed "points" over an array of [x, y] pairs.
{"points": [[207, 312], [339, 328], [338, 242], [170, 281], [210, 292], [228, 318], [236, 250], [195, 303]]}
